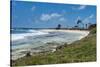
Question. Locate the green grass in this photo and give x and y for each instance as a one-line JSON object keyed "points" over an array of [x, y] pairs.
{"points": [[83, 50]]}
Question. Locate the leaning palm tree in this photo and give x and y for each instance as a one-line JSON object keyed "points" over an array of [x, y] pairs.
{"points": [[80, 22]]}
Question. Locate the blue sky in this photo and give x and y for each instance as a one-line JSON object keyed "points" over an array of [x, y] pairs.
{"points": [[49, 15]]}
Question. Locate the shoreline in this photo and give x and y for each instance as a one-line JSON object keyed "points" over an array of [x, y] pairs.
{"points": [[63, 30], [83, 50], [84, 32], [53, 44]]}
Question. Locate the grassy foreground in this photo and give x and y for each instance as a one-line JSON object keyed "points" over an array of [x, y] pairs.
{"points": [[83, 50]]}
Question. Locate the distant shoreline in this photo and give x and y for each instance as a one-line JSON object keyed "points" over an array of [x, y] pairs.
{"points": [[63, 30], [53, 28]]}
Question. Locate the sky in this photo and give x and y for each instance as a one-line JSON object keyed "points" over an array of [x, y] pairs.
{"points": [[49, 15]]}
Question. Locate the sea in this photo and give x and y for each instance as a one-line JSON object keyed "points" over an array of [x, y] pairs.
{"points": [[37, 40]]}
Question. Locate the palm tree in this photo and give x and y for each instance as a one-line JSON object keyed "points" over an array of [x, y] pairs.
{"points": [[59, 26], [86, 25], [80, 22], [76, 26], [89, 24]]}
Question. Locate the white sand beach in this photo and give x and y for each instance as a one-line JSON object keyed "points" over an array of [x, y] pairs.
{"points": [[47, 41], [83, 32], [73, 31]]}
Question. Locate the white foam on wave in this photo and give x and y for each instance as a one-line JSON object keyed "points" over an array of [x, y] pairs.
{"points": [[33, 31], [23, 35]]}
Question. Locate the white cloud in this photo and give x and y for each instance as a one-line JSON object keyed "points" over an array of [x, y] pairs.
{"points": [[55, 15], [78, 18], [46, 17], [87, 19], [62, 19], [79, 7], [91, 16], [33, 8]]}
